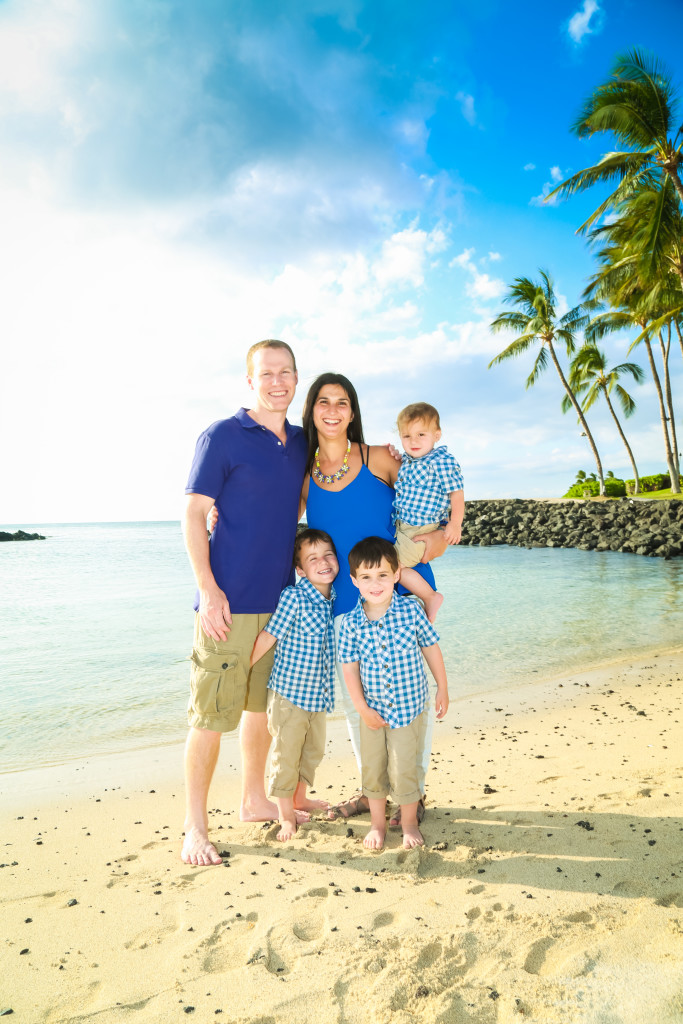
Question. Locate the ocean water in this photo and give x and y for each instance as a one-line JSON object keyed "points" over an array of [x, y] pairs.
{"points": [[96, 628]]}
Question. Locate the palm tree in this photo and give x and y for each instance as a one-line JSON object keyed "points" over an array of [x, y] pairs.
{"points": [[633, 313], [590, 376], [637, 104], [535, 321]]}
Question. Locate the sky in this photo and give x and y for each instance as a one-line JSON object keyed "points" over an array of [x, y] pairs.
{"points": [[361, 179]]}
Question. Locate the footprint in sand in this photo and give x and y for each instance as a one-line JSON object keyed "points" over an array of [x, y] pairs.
{"points": [[309, 927], [382, 920]]}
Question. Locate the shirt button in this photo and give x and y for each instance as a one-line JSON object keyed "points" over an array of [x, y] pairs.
{"points": [[384, 647], [280, 443]]}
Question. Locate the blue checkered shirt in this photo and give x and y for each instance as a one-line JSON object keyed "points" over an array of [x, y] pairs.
{"points": [[303, 668], [389, 651], [424, 486]]}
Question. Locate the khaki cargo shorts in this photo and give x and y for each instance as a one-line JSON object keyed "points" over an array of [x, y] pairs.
{"points": [[391, 761], [299, 745], [222, 685], [410, 552]]}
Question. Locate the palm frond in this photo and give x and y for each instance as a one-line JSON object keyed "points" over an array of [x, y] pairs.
{"points": [[540, 365]]}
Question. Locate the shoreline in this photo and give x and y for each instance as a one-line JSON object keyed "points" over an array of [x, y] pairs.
{"points": [[550, 887], [142, 753]]}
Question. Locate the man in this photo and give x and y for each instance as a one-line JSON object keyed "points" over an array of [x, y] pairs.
{"points": [[251, 467]]}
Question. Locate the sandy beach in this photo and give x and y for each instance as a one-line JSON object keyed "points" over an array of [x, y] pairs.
{"points": [[550, 887]]}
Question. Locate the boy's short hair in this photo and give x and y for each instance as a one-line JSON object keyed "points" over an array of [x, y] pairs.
{"points": [[419, 411], [268, 343], [370, 552], [310, 536]]}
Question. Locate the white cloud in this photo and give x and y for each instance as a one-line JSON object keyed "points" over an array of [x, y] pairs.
{"points": [[580, 23], [556, 176], [466, 102], [481, 286], [529, 167], [494, 257], [404, 255]]}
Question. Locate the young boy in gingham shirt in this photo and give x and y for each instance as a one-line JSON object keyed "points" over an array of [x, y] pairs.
{"points": [[429, 492], [380, 647], [301, 684]]}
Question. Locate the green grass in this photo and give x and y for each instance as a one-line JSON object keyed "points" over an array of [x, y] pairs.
{"points": [[658, 495]]}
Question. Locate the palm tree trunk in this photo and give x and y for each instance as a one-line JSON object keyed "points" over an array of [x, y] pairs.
{"points": [[680, 336], [672, 171], [626, 444], [662, 414], [665, 350], [579, 413]]}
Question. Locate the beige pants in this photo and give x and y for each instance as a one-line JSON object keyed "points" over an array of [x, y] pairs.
{"points": [[222, 685], [409, 551], [391, 761], [298, 747]]}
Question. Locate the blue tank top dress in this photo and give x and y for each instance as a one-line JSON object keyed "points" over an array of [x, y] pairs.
{"points": [[362, 509]]}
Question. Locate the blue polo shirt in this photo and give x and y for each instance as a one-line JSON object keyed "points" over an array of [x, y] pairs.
{"points": [[255, 481]]}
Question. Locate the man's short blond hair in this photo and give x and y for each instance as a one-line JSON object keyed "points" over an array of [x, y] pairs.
{"points": [[419, 411], [268, 343]]}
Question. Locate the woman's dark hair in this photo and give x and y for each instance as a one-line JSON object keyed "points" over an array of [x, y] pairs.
{"points": [[355, 431]]}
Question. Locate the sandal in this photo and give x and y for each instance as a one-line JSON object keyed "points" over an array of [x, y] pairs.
{"points": [[395, 819], [357, 804]]}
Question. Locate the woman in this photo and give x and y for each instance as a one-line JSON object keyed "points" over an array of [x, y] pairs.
{"points": [[349, 494]]}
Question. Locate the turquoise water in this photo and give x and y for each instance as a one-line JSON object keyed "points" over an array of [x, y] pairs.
{"points": [[96, 627]]}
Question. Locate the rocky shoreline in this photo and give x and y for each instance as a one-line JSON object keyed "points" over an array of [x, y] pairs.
{"points": [[20, 535], [639, 527]]}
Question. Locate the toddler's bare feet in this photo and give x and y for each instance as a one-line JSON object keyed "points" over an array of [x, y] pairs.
{"points": [[287, 829], [432, 605], [374, 840], [412, 837], [311, 805]]}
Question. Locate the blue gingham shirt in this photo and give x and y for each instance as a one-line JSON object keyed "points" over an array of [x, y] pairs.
{"points": [[390, 654], [303, 668], [424, 486]]}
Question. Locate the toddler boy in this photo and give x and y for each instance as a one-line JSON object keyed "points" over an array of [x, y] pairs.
{"points": [[301, 685], [429, 491], [380, 647]]}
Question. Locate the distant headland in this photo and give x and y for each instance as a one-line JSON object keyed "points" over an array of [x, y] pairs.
{"points": [[20, 535]]}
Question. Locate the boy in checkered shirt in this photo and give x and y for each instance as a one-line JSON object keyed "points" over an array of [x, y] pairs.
{"points": [[380, 647], [429, 491], [301, 685]]}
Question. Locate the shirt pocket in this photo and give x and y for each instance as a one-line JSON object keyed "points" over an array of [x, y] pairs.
{"points": [[366, 646], [403, 638]]}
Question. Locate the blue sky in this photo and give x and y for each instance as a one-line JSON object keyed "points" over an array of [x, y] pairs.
{"points": [[364, 180]]}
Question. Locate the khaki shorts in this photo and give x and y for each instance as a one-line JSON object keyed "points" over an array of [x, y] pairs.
{"points": [[222, 685], [391, 761], [299, 744], [410, 552]]}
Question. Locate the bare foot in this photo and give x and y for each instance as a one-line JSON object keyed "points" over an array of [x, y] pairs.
{"points": [[374, 840], [412, 837], [287, 829], [198, 850], [432, 605], [263, 810], [312, 805]]}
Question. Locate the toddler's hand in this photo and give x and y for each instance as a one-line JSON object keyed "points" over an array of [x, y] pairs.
{"points": [[441, 702], [372, 719], [452, 533]]}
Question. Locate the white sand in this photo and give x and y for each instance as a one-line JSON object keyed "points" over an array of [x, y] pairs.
{"points": [[513, 911]]}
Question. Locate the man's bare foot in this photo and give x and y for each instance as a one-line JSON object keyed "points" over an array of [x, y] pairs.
{"points": [[261, 810], [374, 840], [412, 837], [432, 605], [267, 811], [287, 829], [198, 850], [312, 805]]}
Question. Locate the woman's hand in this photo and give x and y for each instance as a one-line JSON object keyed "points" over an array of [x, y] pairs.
{"points": [[435, 544], [212, 518]]}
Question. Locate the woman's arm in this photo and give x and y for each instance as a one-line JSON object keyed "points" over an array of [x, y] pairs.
{"points": [[383, 464]]}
